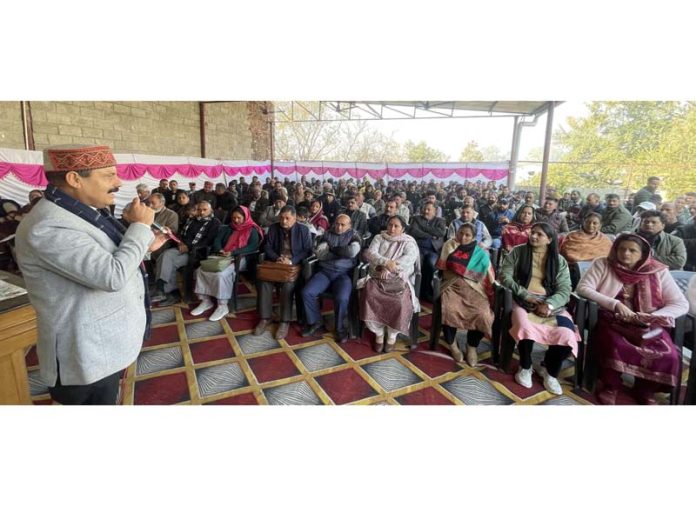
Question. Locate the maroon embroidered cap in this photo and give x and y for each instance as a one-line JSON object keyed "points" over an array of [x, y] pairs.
{"points": [[77, 157]]}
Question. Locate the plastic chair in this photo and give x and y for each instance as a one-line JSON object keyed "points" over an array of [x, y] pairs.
{"points": [[503, 339], [677, 333], [250, 268]]}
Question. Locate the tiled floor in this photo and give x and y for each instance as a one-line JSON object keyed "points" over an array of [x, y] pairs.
{"points": [[190, 360]]}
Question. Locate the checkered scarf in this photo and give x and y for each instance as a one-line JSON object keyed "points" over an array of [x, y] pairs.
{"points": [[102, 219], [201, 231]]}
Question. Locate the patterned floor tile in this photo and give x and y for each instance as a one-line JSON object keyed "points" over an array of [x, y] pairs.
{"points": [[272, 367], [243, 289], [204, 329], [424, 396], [508, 381], [426, 322], [244, 323], [298, 393], [250, 343], [245, 303], [327, 305], [168, 389], [432, 363], [471, 390], [345, 386], [390, 374], [162, 316], [36, 385], [151, 361], [207, 351], [247, 399], [162, 335], [31, 359], [186, 313], [359, 349], [561, 400], [321, 356], [220, 378]]}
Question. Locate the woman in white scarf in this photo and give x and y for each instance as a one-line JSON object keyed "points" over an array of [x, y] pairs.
{"points": [[387, 298]]}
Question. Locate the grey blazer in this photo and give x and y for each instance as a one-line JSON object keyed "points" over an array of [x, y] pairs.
{"points": [[88, 294]]}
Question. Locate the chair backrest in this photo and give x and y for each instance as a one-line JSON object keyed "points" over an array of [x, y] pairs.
{"points": [[583, 266], [682, 279]]}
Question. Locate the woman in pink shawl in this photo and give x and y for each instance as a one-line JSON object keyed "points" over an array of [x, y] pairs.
{"points": [[517, 232], [241, 237], [317, 218], [638, 300]]}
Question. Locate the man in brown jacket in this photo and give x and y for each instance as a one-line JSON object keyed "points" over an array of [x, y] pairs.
{"points": [[165, 217]]}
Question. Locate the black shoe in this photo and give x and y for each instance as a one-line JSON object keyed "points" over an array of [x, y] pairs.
{"points": [[312, 330], [342, 337], [170, 300], [157, 296]]}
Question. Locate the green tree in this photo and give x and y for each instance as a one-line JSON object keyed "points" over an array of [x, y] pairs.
{"points": [[471, 153], [421, 152], [494, 154], [621, 144]]}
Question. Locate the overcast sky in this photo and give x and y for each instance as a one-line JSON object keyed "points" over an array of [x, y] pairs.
{"points": [[451, 135]]}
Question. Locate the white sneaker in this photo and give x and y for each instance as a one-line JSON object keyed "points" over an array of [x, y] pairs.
{"points": [[201, 308], [551, 384], [524, 377], [219, 313]]}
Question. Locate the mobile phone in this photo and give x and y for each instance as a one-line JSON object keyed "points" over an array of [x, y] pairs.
{"points": [[159, 228]]}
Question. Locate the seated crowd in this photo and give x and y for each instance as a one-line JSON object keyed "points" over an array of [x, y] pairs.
{"points": [[403, 231]]}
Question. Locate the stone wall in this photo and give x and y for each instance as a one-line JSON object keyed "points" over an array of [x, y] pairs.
{"points": [[11, 135], [233, 129]]}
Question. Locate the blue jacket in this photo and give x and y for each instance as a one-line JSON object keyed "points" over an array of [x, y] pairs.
{"points": [[300, 243]]}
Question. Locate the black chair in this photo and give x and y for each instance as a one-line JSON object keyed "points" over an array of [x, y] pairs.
{"points": [[503, 323], [495, 257], [310, 268], [250, 269], [362, 271], [682, 279], [187, 271], [436, 325], [577, 269]]}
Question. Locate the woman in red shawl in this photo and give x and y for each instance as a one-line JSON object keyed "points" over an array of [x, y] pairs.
{"points": [[317, 218], [638, 300], [241, 237], [517, 232]]}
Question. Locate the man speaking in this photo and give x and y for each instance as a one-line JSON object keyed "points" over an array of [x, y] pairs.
{"points": [[83, 272]]}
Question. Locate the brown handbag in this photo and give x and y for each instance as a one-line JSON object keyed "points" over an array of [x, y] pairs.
{"points": [[278, 273]]}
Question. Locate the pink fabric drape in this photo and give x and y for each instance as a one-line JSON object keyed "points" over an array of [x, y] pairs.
{"points": [[33, 175], [30, 174]]}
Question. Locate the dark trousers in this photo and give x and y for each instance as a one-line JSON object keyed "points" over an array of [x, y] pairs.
{"points": [[102, 392], [553, 359], [341, 286], [473, 337], [430, 258], [266, 300]]}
